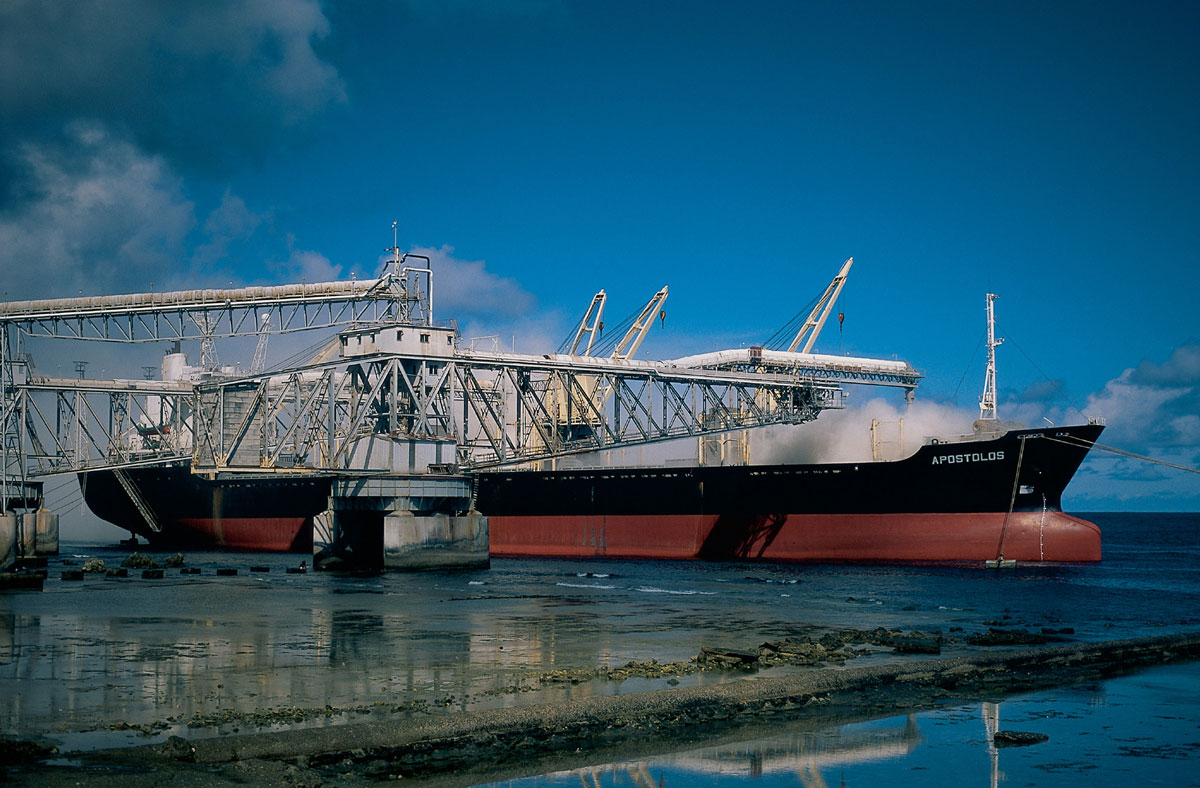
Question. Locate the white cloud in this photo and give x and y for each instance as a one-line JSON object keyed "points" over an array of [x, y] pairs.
{"points": [[494, 310], [204, 81], [466, 289], [305, 265], [102, 217], [271, 43], [106, 103], [230, 221], [1152, 410], [1153, 405]]}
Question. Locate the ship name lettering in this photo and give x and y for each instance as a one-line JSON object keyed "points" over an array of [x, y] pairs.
{"points": [[978, 456]]}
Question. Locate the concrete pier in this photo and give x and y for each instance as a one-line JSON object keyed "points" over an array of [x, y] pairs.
{"points": [[435, 541], [405, 522], [8, 539], [28, 529], [46, 532]]}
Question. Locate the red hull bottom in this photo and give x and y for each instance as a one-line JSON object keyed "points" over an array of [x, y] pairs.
{"points": [[1029, 536], [260, 534]]}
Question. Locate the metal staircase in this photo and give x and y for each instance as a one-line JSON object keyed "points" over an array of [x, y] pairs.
{"points": [[135, 495]]}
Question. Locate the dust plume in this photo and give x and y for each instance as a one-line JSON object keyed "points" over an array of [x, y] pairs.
{"points": [[845, 435]]}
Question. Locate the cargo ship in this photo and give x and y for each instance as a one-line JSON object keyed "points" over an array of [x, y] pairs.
{"points": [[975, 500], [265, 513], [970, 500], [993, 495]]}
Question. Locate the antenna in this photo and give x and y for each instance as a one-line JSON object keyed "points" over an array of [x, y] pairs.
{"points": [[394, 249]]}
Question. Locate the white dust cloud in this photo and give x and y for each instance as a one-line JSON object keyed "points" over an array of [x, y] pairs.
{"points": [[845, 435]]}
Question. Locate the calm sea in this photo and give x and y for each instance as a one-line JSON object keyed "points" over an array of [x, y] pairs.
{"points": [[109, 661], [1139, 729]]}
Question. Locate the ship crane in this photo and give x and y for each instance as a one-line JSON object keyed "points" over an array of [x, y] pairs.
{"points": [[590, 324], [629, 344], [820, 313], [259, 362]]}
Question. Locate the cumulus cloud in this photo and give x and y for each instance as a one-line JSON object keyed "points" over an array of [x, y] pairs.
{"points": [[105, 109], [1043, 390], [1153, 406], [100, 215], [1106, 482], [229, 222], [208, 81], [493, 311], [1181, 369], [467, 287], [305, 265]]}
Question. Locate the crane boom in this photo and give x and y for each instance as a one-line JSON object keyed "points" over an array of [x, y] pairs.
{"points": [[813, 325], [259, 362], [590, 325], [632, 340]]}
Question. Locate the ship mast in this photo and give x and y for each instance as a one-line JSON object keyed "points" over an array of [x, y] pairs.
{"points": [[987, 401]]}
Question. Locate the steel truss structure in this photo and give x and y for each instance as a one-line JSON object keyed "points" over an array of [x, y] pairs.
{"points": [[205, 314], [396, 400], [49, 426], [73, 425], [487, 411]]}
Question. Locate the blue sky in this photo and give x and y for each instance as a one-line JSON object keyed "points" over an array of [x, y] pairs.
{"points": [[735, 152]]}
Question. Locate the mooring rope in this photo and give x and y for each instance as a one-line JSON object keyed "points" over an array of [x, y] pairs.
{"points": [[1011, 502], [1077, 442]]}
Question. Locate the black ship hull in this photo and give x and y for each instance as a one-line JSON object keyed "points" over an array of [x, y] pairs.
{"points": [[970, 500]]}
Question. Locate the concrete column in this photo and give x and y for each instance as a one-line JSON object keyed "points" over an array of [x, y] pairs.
{"points": [[435, 541], [28, 534], [8, 539], [323, 531], [47, 532]]}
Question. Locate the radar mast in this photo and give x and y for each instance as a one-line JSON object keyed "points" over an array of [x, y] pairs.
{"points": [[987, 400]]}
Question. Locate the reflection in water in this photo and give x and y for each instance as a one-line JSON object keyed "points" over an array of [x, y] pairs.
{"points": [[81, 659], [1138, 729], [810, 752], [84, 656], [991, 723], [807, 755]]}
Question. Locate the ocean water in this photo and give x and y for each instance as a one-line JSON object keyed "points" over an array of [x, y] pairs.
{"points": [[1142, 729], [109, 661]]}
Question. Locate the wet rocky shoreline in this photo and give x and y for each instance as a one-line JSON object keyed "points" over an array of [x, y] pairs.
{"points": [[813, 648], [464, 748]]}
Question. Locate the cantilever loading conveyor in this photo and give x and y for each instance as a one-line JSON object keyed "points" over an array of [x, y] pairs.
{"points": [[880, 371], [83, 306]]}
